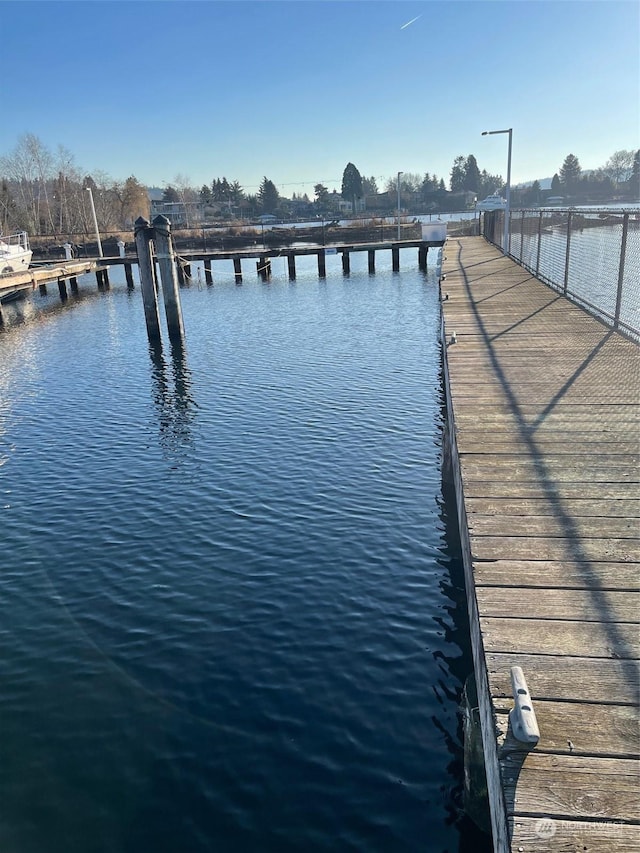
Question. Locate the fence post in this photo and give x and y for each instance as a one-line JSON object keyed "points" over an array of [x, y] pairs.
{"points": [[623, 253], [143, 236], [167, 264], [539, 243], [566, 259], [521, 238]]}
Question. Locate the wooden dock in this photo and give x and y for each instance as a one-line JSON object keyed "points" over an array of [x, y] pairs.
{"points": [[543, 416], [264, 255], [13, 285]]}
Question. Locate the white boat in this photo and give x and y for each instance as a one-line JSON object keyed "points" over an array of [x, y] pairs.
{"points": [[492, 202], [15, 254]]}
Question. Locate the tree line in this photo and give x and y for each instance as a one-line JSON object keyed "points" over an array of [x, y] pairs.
{"points": [[45, 192]]}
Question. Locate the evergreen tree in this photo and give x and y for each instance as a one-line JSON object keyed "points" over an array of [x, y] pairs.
{"points": [[170, 195], [369, 186], [555, 185], [471, 180], [322, 195], [351, 185], [570, 172], [457, 174], [268, 196]]}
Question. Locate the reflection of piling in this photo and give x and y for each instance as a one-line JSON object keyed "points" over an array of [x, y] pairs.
{"points": [[167, 263], [144, 235]]}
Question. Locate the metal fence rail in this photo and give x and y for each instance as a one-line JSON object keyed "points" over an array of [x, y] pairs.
{"points": [[592, 257]]}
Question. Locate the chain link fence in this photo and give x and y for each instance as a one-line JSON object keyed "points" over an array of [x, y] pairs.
{"points": [[592, 257]]}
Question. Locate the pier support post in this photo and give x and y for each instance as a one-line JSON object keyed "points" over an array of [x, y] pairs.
{"points": [[167, 263], [62, 289], [422, 257], [237, 269], [291, 263], [208, 277], [179, 269], [143, 237], [129, 276], [43, 289], [372, 260], [73, 283], [395, 258], [322, 266], [263, 267], [346, 262]]}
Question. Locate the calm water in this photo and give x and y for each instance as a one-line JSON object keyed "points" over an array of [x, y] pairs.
{"points": [[230, 621]]}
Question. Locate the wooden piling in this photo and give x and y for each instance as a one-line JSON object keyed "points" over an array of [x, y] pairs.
{"points": [[422, 257], [129, 276], [179, 270], [263, 267], [322, 266], [208, 277], [372, 260], [346, 262], [395, 258], [167, 262], [291, 263], [62, 289], [73, 283], [143, 237], [43, 289], [237, 269]]}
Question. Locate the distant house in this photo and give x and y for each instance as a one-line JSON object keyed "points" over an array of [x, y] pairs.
{"points": [[346, 206], [180, 214]]}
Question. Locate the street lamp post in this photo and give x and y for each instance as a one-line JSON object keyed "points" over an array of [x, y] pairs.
{"points": [[505, 247], [95, 222], [399, 173]]}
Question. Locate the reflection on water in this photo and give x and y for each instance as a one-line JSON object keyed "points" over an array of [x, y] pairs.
{"points": [[171, 392]]}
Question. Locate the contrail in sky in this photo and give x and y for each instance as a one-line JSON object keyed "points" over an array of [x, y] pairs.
{"points": [[408, 24]]}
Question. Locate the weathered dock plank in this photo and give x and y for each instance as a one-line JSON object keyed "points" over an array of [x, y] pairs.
{"points": [[541, 835], [575, 679], [545, 447], [557, 574]]}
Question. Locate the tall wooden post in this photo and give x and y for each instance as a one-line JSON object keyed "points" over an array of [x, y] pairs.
{"points": [[422, 257], [167, 263], [291, 263], [395, 258], [372, 260], [322, 267], [237, 270], [129, 276], [346, 262], [208, 277], [143, 237]]}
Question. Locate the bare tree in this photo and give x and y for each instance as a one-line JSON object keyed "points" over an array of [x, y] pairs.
{"points": [[619, 166]]}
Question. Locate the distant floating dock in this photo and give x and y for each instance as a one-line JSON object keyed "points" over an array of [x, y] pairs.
{"points": [[543, 419]]}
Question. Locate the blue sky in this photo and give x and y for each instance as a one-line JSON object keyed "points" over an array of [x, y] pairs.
{"points": [[295, 90]]}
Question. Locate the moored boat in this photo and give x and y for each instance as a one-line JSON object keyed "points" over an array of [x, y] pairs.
{"points": [[15, 254], [492, 202]]}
